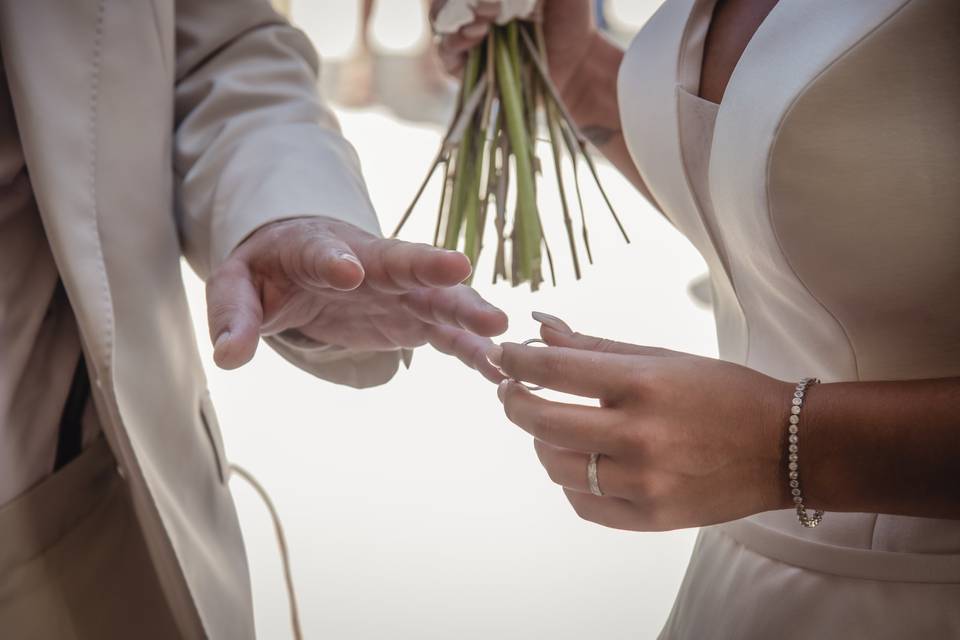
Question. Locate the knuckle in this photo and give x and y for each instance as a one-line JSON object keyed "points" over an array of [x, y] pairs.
{"points": [[602, 345], [651, 490], [642, 378], [221, 314], [631, 441]]}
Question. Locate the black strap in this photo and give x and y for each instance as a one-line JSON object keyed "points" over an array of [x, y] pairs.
{"points": [[70, 438]]}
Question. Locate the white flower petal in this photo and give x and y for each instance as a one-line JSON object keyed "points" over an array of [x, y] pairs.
{"points": [[459, 13]]}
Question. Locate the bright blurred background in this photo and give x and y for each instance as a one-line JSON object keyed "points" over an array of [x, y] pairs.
{"points": [[415, 510]]}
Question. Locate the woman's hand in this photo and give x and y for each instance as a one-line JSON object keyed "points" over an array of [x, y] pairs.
{"points": [[568, 26], [684, 441]]}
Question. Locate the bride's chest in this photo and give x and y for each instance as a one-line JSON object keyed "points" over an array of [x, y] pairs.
{"points": [[831, 162]]}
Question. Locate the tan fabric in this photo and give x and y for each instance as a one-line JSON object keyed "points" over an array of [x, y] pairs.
{"points": [[823, 194], [39, 345], [105, 93], [73, 564]]}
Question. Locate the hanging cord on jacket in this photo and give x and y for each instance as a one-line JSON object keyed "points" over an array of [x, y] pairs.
{"points": [[281, 542]]}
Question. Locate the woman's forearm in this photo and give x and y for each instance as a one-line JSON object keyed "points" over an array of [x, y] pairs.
{"points": [[883, 447], [591, 97]]}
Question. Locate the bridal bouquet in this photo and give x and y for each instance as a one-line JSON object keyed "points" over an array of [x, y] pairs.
{"points": [[488, 154]]}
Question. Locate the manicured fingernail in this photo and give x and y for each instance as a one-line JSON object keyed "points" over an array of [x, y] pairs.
{"points": [[553, 322], [474, 30], [222, 338], [495, 355], [502, 389], [349, 257]]}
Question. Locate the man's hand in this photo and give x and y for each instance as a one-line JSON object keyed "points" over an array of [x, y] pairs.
{"points": [[341, 286]]}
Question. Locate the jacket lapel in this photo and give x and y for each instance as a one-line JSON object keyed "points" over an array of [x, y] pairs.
{"points": [[51, 51]]}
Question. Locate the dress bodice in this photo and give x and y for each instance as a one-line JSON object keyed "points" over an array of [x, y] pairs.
{"points": [[824, 195]]}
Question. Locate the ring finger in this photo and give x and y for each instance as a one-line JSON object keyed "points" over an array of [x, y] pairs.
{"points": [[568, 468]]}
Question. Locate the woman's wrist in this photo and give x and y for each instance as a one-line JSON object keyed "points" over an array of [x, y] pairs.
{"points": [[590, 90], [883, 447]]}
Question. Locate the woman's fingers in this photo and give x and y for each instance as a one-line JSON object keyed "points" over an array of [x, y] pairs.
{"points": [[568, 468], [609, 512], [570, 426], [558, 333], [584, 373]]}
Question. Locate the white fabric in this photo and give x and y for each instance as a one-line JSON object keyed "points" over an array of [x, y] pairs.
{"points": [[823, 195]]}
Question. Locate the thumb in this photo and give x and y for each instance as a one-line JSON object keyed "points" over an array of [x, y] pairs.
{"points": [[234, 315], [556, 333]]}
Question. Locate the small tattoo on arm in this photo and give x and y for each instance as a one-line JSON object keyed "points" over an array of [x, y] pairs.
{"points": [[598, 135]]}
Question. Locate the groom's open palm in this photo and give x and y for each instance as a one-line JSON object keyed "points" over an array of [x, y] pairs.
{"points": [[339, 285]]}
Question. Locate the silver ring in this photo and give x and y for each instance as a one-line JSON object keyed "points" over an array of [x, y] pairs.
{"points": [[527, 343], [592, 478]]}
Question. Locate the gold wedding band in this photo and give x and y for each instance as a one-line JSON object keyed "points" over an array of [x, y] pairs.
{"points": [[592, 480]]}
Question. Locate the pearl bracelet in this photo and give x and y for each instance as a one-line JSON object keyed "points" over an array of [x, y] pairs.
{"points": [[793, 458]]}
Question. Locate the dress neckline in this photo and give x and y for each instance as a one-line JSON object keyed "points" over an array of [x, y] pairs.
{"points": [[692, 47]]}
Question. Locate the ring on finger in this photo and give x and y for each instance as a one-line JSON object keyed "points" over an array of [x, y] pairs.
{"points": [[527, 343], [593, 481]]}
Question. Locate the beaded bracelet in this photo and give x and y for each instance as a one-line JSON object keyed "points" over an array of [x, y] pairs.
{"points": [[793, 457]]}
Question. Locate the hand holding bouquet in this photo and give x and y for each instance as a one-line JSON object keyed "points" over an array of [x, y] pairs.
{"points": [[489, 156]]}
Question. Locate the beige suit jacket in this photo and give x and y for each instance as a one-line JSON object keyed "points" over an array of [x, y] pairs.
{"points": [[154, 129]]}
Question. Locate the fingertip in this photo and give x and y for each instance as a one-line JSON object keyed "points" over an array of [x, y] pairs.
{"points": [[502, 389], [232, 351], [447, 269], [491, 373], [500, 322], [490, 322], [344, 272]]}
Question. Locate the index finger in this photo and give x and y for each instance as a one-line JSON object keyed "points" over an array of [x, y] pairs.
{"points": [[395, 266], [589, 374]]}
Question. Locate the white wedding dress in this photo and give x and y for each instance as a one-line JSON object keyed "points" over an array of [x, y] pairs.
{"points": [[824, 193]]}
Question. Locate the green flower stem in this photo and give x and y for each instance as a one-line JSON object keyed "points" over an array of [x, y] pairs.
{"points": [[463, 169], [527, 227]]}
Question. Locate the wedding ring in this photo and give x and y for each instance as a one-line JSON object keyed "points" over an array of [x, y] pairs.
{"points": [[527, 343], [592, 478]]}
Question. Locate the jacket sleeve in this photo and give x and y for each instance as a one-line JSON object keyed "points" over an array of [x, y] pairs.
{"points": [[254, 143]]}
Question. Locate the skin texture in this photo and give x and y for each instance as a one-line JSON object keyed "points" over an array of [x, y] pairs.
{"points": [[689, 441], [733, 24], [339, 285]]}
